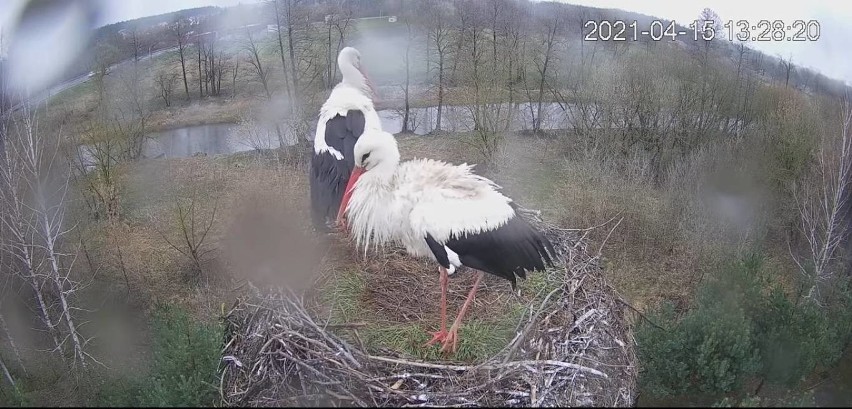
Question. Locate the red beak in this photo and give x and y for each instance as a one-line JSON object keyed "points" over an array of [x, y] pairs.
{"points": [[375, 95], [356, 173]]}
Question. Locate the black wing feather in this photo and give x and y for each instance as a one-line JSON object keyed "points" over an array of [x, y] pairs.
{"points": [[438, 250], [329, 176], [507, 251]]}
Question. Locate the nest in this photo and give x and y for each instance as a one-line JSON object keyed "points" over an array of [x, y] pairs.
{"points": [[574, 349]]}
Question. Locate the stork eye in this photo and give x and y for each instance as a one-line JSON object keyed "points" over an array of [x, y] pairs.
{"points": [[364, 158]]}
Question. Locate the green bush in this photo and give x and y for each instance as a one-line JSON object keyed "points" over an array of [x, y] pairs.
{"points": [[13, 396], [183, 373], [737, 330]]}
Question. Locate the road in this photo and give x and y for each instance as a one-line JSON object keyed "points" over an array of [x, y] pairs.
{"points": [[57, 89]]}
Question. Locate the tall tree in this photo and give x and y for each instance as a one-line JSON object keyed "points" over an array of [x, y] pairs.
{"points": [[281, 49], [198, 45], [178, 30], [788, 67], [542, 62], [439, 33], [408, 18], [250, 46], [290, 18]]}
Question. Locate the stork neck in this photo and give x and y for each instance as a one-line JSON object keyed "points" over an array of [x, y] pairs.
{"points": [[352, 77]]}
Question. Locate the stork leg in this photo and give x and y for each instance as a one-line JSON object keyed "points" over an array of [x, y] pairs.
{"points": [[442, 333], [452, 338]]}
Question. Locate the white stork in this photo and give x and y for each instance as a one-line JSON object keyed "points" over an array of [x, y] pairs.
{"points": [[343, 117], [441, 211]]}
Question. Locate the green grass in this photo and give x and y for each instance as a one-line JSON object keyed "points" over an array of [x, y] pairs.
{"points": [[13, 396], [480, 338], [183, 372], [343, 297]]}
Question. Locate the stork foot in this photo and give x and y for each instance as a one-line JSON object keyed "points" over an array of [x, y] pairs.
{"points": [[451, 340], [437, 336]]}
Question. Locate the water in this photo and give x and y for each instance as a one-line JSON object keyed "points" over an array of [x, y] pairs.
{"points": [[458, 118], [211, 139], [218, 139]]}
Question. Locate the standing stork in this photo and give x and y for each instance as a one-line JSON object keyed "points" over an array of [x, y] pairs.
{"points": [[441, 211], [343, 117]]}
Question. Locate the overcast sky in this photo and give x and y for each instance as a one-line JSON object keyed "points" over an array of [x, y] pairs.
{"points": [[828, 55], [121, 10]]}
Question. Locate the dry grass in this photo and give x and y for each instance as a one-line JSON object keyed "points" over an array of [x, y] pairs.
{"points": [[224, 110], [646, 259], [397, 298], [572, 348]]}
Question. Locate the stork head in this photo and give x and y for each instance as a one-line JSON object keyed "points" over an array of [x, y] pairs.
{"points": [[376, 157], [349, 62], [376, 149]]}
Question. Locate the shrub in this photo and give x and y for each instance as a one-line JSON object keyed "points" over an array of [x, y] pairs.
{"points": [[183, 373], [737, 330]]}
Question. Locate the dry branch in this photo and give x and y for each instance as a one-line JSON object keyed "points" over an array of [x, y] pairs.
{"points": [[575, 350]]}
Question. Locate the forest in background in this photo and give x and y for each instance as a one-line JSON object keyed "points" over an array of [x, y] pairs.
{"points": [[730, 168]]}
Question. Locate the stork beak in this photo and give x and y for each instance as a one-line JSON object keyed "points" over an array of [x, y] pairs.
{"points": [[356, 173], [375, 94]]}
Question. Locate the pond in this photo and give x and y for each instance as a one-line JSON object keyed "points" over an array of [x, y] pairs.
{"points": [[211, 139], [227, 138]]}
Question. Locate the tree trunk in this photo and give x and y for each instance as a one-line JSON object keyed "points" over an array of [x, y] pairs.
{"points": [[440, 89], [405, 128], [56, 275], [183, 68], [200, 89], [7, 374], [281, 50], [14, 347], [293, 65]]}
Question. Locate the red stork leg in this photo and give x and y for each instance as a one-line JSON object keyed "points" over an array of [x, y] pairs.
{"points": [[442, 333], [452, 338]]}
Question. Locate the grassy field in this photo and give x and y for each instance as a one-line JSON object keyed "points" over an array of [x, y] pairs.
{"points": [[260, 231], [673, 227]]}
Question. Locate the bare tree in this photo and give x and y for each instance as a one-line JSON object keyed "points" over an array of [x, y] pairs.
{"points": [[439, 32], [198, 47], [212, 66], [281, 48], [710, 27], [18, 222], [542, 61], [166, 81], [822, 203], [35, 195], [194, 226], [250, 47], [515, 45], [136, 43], [407, 62], [131, 113], [178, 29], [495, 13], [788, 67], [742, 50], [340, 19], [236, 70], [290, 16]]}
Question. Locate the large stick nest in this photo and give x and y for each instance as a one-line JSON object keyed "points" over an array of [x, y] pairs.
{"points": [[573, 349]]}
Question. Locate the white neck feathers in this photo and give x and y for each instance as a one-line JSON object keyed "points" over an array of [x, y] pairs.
{"points": [[344, 98]]}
